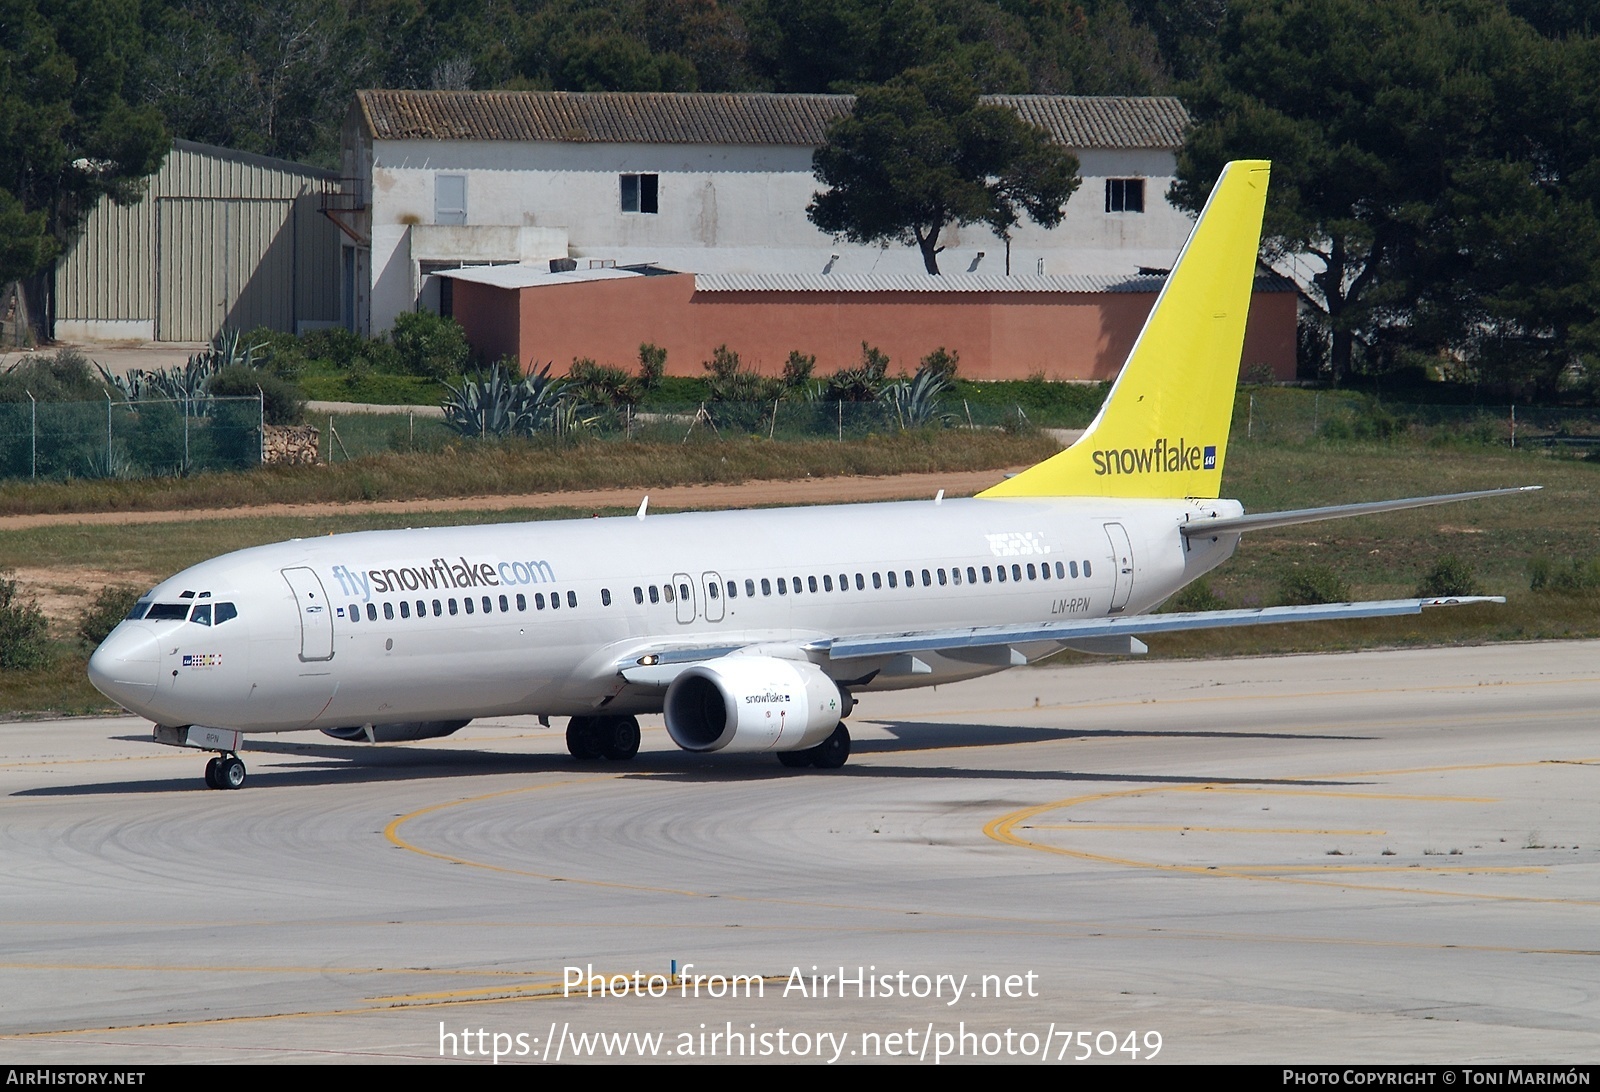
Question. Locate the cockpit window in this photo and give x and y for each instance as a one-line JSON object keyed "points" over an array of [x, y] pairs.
{"points": [[138, 610], [201, 614], [163, 612], [224, 611]]}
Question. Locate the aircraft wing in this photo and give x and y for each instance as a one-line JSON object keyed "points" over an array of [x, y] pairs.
{"points": [[1092, 629], [657, 666]]}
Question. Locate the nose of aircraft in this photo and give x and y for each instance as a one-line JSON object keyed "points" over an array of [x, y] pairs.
{"points": [[125, 666]]}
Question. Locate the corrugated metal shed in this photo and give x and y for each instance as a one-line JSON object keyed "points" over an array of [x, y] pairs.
{"points": [[637, 117], [890, 282], [221, 238], [958, 282]]}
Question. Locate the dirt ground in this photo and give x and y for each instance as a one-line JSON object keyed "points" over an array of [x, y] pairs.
{"points": [[63, 592]]}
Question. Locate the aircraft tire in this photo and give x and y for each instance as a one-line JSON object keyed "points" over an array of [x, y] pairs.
{"points": [[230, 772], [582, 741], [797, 759], [211, 773], [832, 752], [619, 737]]}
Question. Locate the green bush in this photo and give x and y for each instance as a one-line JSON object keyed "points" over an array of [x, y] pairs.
{"points": [[105, 611], [63, 376], [24, 640], [652, 366], [942, 363], [1449, 576], [1197, 597], [600, 385], [864, 382], [1311, 584], [797, 369], [282, 402], [1574, 576], [430, 345]]}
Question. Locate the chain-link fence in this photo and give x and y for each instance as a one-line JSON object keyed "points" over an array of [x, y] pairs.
{"points": [[159, 437], [1289, 416], [111, 439], [348, 436]]}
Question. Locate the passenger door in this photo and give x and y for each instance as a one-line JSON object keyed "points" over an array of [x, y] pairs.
{"points": [[316, 615], [1121, 566]]}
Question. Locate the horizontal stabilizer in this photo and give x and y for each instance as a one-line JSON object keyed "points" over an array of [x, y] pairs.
{"points": [[896, 644], [1234, 525]]}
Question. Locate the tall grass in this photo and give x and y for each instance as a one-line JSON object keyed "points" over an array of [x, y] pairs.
{"points": [[512, 467]]}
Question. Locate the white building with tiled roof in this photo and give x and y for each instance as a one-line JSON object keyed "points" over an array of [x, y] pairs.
{"points": [[705, 183]]}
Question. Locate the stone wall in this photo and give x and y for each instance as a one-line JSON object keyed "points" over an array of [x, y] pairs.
{"points": [[292, 445]]}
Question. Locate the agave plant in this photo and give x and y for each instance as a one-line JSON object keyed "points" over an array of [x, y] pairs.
{"points": [[916, 401], [495, 404], [188, 383]]}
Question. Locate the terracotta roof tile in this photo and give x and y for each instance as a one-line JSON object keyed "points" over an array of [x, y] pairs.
{"points": [[659, 118]]}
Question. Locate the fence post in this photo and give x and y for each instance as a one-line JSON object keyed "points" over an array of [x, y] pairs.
{"points": [[841, 420], [186, 432], [1513, 424], [261, 418], [1250, 421], [33, 434], [108, 434], [330, 439]]}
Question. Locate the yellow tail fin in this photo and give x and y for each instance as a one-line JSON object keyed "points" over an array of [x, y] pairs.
{"points": [[1163, 430]]}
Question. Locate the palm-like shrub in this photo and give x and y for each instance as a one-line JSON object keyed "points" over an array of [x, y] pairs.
{"points": [[496, 404]]}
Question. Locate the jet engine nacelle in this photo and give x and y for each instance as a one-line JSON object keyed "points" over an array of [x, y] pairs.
{"points": [[752, 703], [404, 732]]}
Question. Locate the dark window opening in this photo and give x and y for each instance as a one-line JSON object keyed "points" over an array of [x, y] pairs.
{"points": [[640, 193], [1124, 195]]}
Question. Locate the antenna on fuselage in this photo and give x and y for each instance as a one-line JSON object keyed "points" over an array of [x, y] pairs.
{"points": [[643, 505]]}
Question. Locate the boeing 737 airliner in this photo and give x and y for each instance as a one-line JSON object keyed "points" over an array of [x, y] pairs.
{"points": [[750, 631]]}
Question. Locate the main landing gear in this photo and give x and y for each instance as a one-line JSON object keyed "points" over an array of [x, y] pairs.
{"points": [[226, 771], [616, 738], [830, 754]]}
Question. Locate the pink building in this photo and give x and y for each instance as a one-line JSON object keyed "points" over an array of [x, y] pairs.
{"points": [[1068, 328]]}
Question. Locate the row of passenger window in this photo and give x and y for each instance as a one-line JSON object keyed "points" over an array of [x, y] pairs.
{"points": [[485, 604], [999, 574]]}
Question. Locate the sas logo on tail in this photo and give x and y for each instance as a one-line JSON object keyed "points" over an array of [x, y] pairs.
{"points": [[1161, 457]]}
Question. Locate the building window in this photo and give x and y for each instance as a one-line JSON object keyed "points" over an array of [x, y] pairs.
{"points": [[450, 199], [1124, 195], [639, 193]]}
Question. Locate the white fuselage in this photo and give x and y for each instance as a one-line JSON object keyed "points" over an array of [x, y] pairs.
{"points": [[555, 607]]}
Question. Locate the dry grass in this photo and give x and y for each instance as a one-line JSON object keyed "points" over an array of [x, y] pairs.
{"points": [[474, 470]]}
